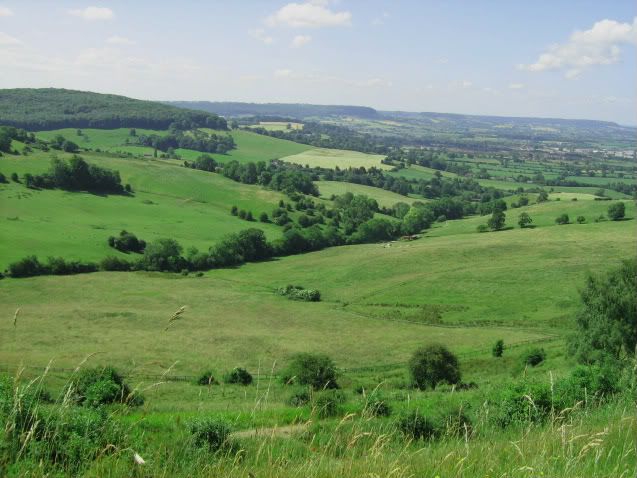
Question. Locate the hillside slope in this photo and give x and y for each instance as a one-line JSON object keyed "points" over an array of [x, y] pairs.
{"points": [[50, 108]]}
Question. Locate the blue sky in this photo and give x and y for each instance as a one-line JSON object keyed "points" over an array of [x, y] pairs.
{"points": [[571, 59]]}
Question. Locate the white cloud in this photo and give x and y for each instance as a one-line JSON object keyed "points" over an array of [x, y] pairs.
{"points": [[308, 15], [380, 20], [118, 40], [597, 46], [8, 40], [259, 34], [300, 40], [93, 13], [5, 12], [516, 86]]}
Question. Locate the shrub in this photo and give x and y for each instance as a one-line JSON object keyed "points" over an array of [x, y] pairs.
{"points": [[616, 211], [296, 292], [581, 219], [163, 255], [456, 423], [524, 220], [238, 375], [562, 219], [433, 364], [206, 378], [522, 402], [101, 386], [27, 267], [482, 228], [127, 242], [3, 178], [234, 210], [417, 426], [242, 214], [299, 398], [210, 433], [316, 370], [377, 407], [534, 357], [249, 216], [15, 178], [263, 217], [327, 404], [111, 263], [498, 348]]}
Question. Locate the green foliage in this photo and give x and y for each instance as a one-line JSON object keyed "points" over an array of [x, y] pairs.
{"points": [[482, 228], [417, 426], [433, 364], [581, 219], [163, 255], [296, 292], [101, 386], [496, 221], [607, 320], [498, 348], [521, 402], [316, 370], [616, 211], [49, 108], [206, 378], [30, 266], [562, 219], [210, 433], [327, 403], [534, 357], [524, 220], [374, 230], [239, 376], [416, 219], [127, 242], [299, 398], [248, 245]]}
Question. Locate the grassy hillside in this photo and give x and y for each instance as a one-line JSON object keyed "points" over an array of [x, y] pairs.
{"points": [[383, 197], [50, 108], [170, 201]]}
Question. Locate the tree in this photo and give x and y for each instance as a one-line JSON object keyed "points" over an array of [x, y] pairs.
{"points": [[616, 211], [498, 348], [496, 221], [524, 220], [163, 255], [607, 320], [542, 197], [417, 219], [581, 219], [562, 219], [234, 210], [316, 370], [263, 217], [433, 364]]}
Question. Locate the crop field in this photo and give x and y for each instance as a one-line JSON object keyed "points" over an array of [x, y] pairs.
{"points": [[383, 197], [331, 158]]}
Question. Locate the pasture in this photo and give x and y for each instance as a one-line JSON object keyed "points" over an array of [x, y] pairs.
{"points": [[383, 197], [332, 158]]}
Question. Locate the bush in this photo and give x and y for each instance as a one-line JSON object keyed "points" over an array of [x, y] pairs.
{"points": [[210, 433], [616, 211], [15, 178], [234, 210], [581, 219], [299, 398], [111, 263], [127, 242], [27, 267], [101, 386], [433, 364], [206, 378], [562, 219], [456, 423], [377, 407], [327, 404], [316, 370], [534, 357], [296, 292], [417, 426], [263, 217], [522, 402], [498, 348], [238, 375], [482, 228]]}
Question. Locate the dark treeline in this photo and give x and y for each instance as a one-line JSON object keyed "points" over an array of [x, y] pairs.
{"points": [[49, 108], [10, 133], [195, 140], [77, 175]]}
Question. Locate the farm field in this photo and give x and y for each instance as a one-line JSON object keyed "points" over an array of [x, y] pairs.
{"points": [[278, 125], [383, 197], [331, 158]]}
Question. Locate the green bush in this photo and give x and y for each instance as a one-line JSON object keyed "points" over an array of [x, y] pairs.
{"points": [[101, 386], [376, 406], [433, 364], [316, 370], [562, 219], [457, 423], [498, 348], [299, 398], [327, 404], [522, 402], [206, 378], [482, 228], [616, 211], [417, 426], [534, 357], [238, 375], [210, 433], [296, 292]]}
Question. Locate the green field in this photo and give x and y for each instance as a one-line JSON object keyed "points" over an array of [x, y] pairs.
{"points": [[331, 158], [383, 197], [277, 125]]}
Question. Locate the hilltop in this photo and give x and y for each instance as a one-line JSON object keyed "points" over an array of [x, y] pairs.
{"points": [[52, 108]]}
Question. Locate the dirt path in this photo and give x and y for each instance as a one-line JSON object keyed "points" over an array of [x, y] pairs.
{"points": [[284, 431]]}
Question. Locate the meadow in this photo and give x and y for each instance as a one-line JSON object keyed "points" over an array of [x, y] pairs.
{"points": [[383, 197], [332, 158]]}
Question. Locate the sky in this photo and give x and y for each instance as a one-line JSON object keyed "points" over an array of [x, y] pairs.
{"points": [[557, 58]]}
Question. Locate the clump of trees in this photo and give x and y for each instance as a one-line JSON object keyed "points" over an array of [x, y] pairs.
{"points": [[616, 211], [127, 242], [315, 370], [196, 140], [77, 175], [238, 375]]}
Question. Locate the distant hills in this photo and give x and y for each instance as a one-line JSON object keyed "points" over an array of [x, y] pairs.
{"points": [[284, 110], [50, 108]]}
